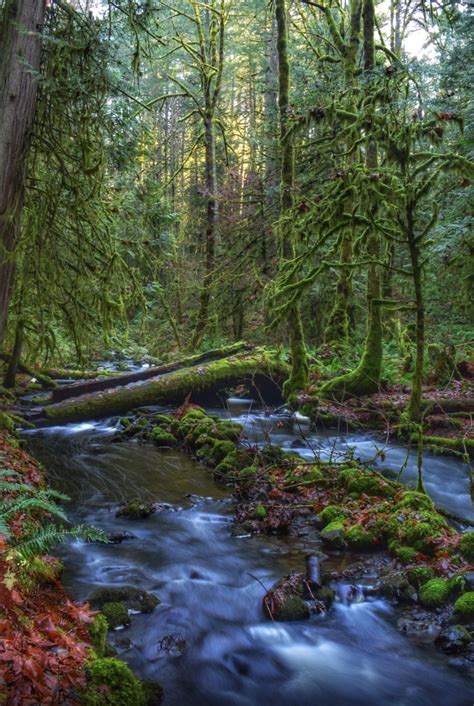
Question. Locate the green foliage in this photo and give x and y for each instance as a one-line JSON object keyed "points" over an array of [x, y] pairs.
{"points": [[466, 546], [116, 614], [434, 593], [464, 606], [98, 634]]}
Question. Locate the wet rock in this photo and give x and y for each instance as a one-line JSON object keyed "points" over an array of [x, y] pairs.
{"points": [[116, 614], [395, 585], [134, 598], [420, 625], [124, 643], [119, 537], [174, 644], [136, 510], [453, 639], [469, 579]]}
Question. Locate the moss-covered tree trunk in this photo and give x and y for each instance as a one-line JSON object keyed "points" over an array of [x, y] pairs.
{"points": [[20, 24], [415, 407], [365, 379], [299, 363]]}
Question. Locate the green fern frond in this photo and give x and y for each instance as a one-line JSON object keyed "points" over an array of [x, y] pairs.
{"points": [[44, 539]]}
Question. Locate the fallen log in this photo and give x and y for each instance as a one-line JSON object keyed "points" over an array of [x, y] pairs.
{"points": [[260, 371], [81, 388]]}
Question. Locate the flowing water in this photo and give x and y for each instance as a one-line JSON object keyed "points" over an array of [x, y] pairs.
{"points": [[210, 586]]}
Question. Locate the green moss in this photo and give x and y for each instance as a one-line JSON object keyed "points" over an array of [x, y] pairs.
{"points": [[359, 538], [260, 512], [111, 683], [220, 450], [134, 598], [162, 438], [466, 546], [406, 554], [98, 634], [464, 605], [224, 469], [248, 472], [163, 419], [419, 575], [330, 513], [434, 593], [370, 484], [415, 501], [228, 431], [195, 414], [125, 422], [116, 614]]}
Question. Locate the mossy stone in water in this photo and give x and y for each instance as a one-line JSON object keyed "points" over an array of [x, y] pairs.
{"points": [[136, 510], [220, 450], [153, 692], [116, 614], [464, 605], [333, 534], [434, 593], [293, 608], [110, 682], [466, 546], [407, 555], [134, 598]]}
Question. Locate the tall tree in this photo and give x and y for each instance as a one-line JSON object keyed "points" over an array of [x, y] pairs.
{"points": [[21, 24]]}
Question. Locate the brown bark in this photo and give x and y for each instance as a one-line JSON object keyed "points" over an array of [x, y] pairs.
{"points": [[20, 29]]}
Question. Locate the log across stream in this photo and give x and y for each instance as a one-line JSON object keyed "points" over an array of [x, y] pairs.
{"points": [[210, 585]]}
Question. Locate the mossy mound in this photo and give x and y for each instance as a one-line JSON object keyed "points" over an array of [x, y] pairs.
{"points": [[330, 513], [369, 484], [466, 546], [116, 614], [419, 575], [360, 538], [110, 682], [434, 593], [292, 608], [162, 437], [464, 606], [260, 512], [415, 501]]}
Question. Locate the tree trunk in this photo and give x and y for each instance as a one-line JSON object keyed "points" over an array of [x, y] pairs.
{"points": [[299, 362], [415, 407], [211, 221], [21, 24]]}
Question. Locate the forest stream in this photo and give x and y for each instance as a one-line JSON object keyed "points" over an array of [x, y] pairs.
{"points": [[210, 581]]}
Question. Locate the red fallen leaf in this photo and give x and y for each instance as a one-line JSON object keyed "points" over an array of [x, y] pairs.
{"points": [[16, 597]]}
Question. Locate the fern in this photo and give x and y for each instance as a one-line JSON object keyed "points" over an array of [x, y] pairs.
{"points": [[44, 539], [12, 506]]}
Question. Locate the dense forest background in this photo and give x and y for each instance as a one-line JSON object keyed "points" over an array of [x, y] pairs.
{"points": [[195, 173]]}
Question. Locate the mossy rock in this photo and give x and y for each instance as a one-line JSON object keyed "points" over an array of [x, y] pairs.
{"points": [[116, 614], [415, 501], [134, 598], [224, 469], [136, 510], [125, 422], [110, 682], [419, 575], [98, 634], [196, 414], [360, 538], [330, 513], [228, 431], [453, 639], [195, 437], [464, 606], [260, 512], [434, 593], [466, 546], [162, 437], [292, 608], [327, 595], [333, 534]]}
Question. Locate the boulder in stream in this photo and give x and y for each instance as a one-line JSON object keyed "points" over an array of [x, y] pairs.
{"points": [[133, 598], [453, 639], [136, 509]]}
